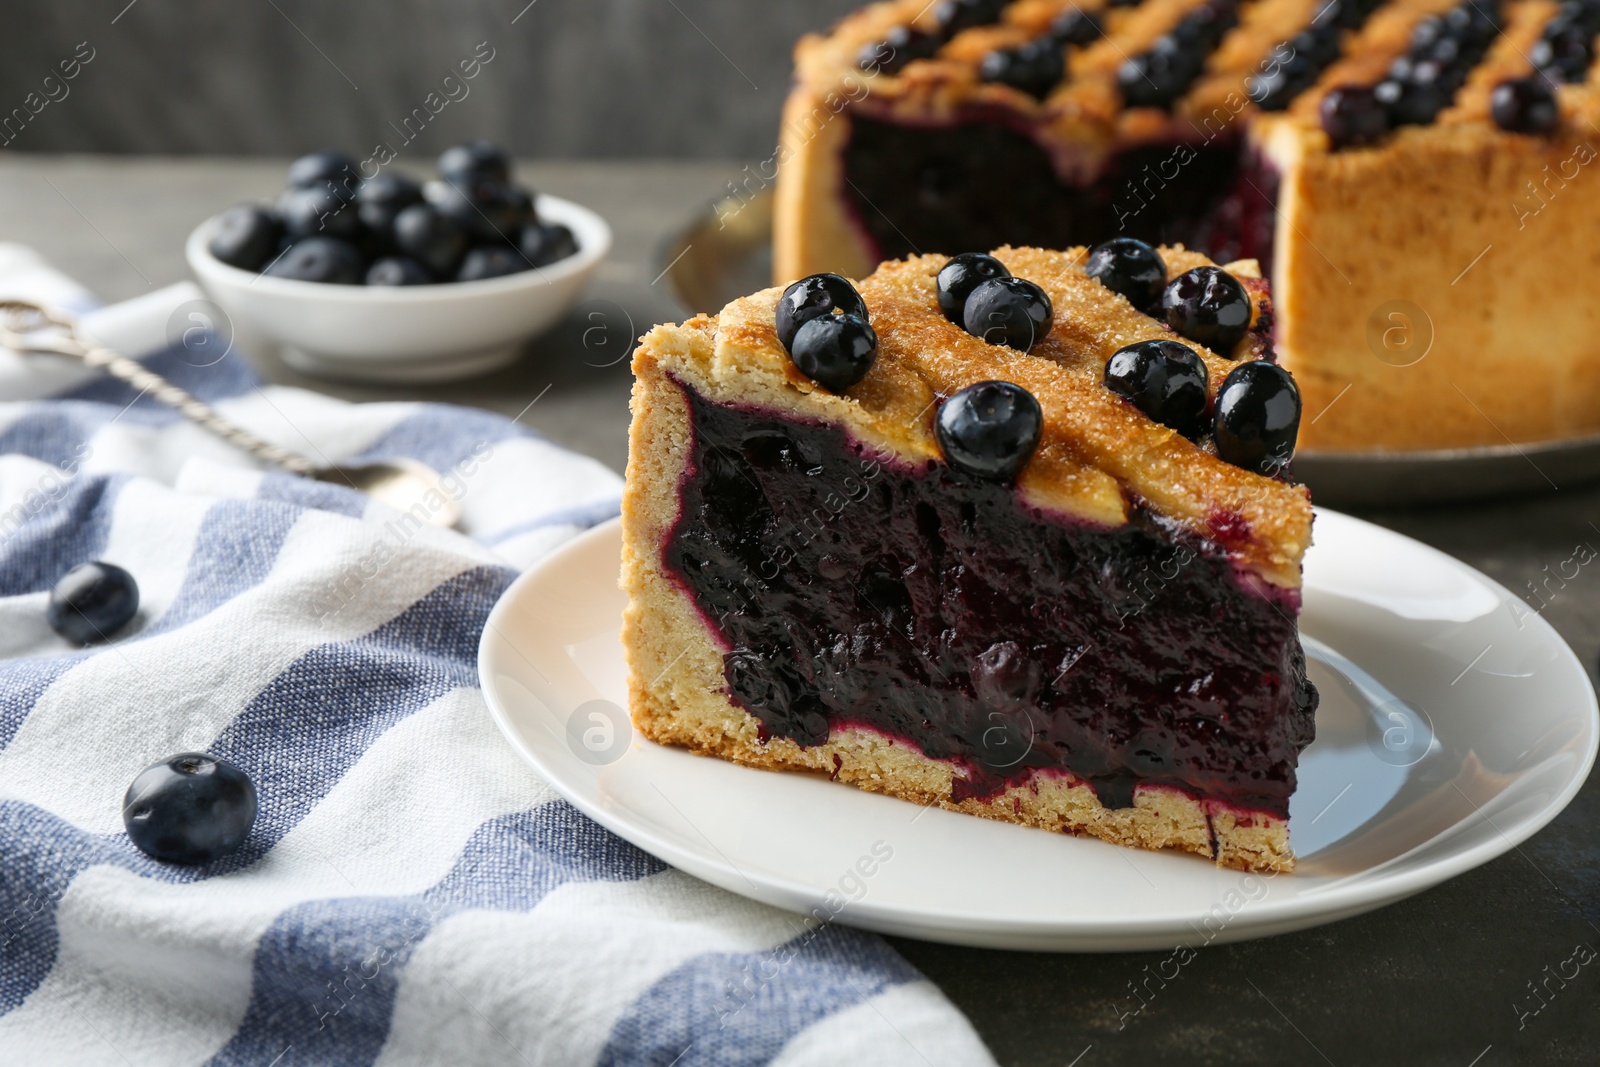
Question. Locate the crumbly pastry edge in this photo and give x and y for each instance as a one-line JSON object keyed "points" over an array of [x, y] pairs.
{"points": [[677, 691]]}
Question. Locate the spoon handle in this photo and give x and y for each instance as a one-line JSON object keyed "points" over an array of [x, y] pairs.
{"points": [[67, 341]]}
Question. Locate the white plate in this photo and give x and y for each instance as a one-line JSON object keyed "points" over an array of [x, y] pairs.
{"points": [[1454, 724]]}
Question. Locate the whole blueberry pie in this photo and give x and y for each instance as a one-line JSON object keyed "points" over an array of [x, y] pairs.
{"points": [[983, 532], [1415, 176]]}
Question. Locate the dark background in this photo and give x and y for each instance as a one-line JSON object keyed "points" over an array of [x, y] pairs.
{"points": [[570, 79]]}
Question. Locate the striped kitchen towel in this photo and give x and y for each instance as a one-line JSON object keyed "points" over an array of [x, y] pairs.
{"points": [[411, 893]]}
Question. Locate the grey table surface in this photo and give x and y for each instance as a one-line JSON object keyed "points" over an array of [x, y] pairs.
{"points": [[1442, 978]]}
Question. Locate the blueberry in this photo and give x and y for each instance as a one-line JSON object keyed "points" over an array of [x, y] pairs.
{"points": [[1207, 304], [522, 206], [189, 808], [1565, 48], [474, 162], [245, 237], [383, 197], [1163, 379], [1473, 22], [953, 16], [1158, 77], [835, 351], [491, 261], [990, 429], [430, 238], [1444, 51], [1129, 267], [1033, 68], [319, 259], [1257, 417], [1414, 102], [813, 297], [1008, 311], [960, 276], [398, 270], [1524, 105], [489, 212], [1319, 47], [1273, 90], [92, 602], [317, 213], [899, 46], [544, 243], [1075, 26], [1427, 31], [328, 171], [1353, 115]]}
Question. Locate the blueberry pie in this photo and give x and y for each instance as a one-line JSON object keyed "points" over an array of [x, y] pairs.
{"points": [[1413, 175], [981, 532]]}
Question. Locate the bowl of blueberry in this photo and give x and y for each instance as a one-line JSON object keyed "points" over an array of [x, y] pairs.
{"points": [[385, 277]]}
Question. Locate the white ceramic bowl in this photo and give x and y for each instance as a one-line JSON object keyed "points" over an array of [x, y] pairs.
{"points": [[414, 333]]}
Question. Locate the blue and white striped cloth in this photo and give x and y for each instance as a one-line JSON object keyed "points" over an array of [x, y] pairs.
{"points": [[411, 893]]}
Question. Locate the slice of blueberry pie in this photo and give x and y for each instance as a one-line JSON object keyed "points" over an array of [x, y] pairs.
{"points": [[1413, 175], [982, 531]]}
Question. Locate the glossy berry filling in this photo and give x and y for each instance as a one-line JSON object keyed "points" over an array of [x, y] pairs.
{"points": [[931, 188], [937, 608]]}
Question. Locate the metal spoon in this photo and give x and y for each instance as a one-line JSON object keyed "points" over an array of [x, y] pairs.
{"points": [[403, 484]]}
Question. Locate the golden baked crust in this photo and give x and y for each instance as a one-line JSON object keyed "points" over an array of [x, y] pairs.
{"points": [[1097, 454], [1474, 237]]}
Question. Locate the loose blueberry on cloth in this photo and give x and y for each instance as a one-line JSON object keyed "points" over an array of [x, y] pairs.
{"points": [[410, 892]]}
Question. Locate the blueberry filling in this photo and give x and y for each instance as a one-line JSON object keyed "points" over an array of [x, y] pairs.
{"points": [[931, 188], [937, 608]]}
